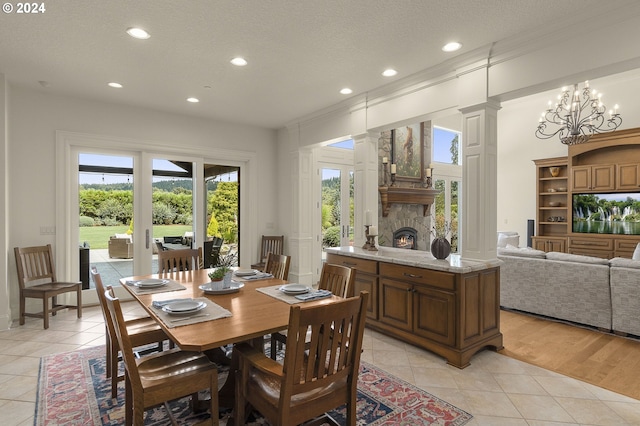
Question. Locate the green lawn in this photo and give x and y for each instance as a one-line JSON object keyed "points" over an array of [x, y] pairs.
{"points": [[98, 236]]}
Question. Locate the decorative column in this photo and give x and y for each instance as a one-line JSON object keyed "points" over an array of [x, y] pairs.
{"points": [[479, 186], [301, 238], [366, 183]]}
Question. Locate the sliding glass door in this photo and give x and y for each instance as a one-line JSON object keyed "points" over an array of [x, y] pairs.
{"points": [[139, 193], [129, 205]]}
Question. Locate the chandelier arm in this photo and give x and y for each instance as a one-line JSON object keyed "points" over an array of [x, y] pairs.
{"points": [[578, 116]]}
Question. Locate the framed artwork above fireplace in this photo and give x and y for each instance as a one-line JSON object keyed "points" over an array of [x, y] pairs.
{"points": [[407, 146]]}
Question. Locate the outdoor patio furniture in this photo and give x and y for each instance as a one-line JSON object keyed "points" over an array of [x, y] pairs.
{"points": [[121, 246]]}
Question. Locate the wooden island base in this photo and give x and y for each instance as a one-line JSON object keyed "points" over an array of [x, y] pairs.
{"points": [[449, 307], [457, 358]]}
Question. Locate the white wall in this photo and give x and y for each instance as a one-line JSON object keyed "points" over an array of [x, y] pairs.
{"points": [[5, 311], [35, 116], [518, 146]]}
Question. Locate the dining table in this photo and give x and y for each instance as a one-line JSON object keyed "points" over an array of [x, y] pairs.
{"points": [[254, 313]]}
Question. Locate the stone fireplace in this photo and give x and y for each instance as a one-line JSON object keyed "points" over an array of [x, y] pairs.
{"points": [[401, 219], [406, 238], [404, 210]]}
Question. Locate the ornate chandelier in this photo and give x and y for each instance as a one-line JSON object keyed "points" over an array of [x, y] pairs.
{"points": [[579, 114]]}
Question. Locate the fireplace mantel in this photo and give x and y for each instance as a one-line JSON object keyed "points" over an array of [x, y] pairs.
{"points": [[397, 195]]}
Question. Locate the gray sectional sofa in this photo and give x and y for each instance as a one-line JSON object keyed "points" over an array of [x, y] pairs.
{"points": [[587, 290]]}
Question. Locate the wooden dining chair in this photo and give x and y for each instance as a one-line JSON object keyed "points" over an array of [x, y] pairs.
{"points": [[337, 279], [278, 265], [142, 331], [161, 377], [269, 244], [37, 279], [179, 260], [315, 376]]}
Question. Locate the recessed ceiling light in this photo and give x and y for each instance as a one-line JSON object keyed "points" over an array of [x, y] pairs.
{"points": [[389, 72], [239, 62], [451, 47], [346, 91], [115, 85], [193, 100], [138, 33]]}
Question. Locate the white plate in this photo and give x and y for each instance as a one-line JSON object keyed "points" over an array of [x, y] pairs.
{"points": [[183, 307], [216, 288], [150, 283], [245, 272], [294, 289]]}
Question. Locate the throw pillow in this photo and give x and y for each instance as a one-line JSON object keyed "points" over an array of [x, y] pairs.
{"points": [[505, 239], [636, 253]]}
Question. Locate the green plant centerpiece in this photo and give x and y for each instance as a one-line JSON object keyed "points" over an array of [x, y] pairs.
{"points": [[223, 265]]}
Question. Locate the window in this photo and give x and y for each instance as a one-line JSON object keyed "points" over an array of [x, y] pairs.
{"points": [[346, 144], [446, 146], [447, 175]]}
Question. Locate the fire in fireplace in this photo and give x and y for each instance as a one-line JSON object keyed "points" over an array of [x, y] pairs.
{"points": [[405, 238]]}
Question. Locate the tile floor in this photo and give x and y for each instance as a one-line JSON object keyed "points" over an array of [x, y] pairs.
{"points": [[496, 389]]}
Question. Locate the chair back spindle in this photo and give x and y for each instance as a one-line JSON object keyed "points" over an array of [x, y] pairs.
{"points": [[278, 265], [337, 279], [170, 261]]}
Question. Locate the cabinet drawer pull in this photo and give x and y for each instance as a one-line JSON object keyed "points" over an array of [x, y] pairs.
{"points": [[406, 274], [409, 290], [350, 264]]}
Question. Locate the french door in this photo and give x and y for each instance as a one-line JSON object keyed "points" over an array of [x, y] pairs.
{"points": [[131, 200], [336, 212], [141, 171]]}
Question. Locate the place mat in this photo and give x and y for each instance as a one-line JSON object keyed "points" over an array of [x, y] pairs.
{"points": [[274, 292], [256, 277], [171, 286], [211, 312]]}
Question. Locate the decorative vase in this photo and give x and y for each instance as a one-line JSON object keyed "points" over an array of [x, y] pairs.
{"points": [[440, 248], [555, 171], [227, 279]]}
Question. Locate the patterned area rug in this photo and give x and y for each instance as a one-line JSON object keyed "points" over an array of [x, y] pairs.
{"points": [[73, 390]]}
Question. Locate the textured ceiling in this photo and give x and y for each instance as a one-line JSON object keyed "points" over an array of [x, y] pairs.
{"points": [[300, 53]]}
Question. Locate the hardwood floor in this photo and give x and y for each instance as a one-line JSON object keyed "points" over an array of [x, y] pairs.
{"points": [[602, 359]]}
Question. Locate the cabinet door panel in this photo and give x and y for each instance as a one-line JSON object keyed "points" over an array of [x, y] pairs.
{"points": [[557, 245], [581, 178], [395, 303], [539, 243], [434, 314], [602, 178], [366, 282], [628, 177]]}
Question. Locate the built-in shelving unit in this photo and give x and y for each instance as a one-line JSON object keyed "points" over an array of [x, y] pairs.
{"points": [[553, 204], [607, 163]]}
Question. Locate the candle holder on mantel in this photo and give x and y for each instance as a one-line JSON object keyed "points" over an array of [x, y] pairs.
{"points": [[384, 174], [427, 181], [393, 179], [371, 240]]}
